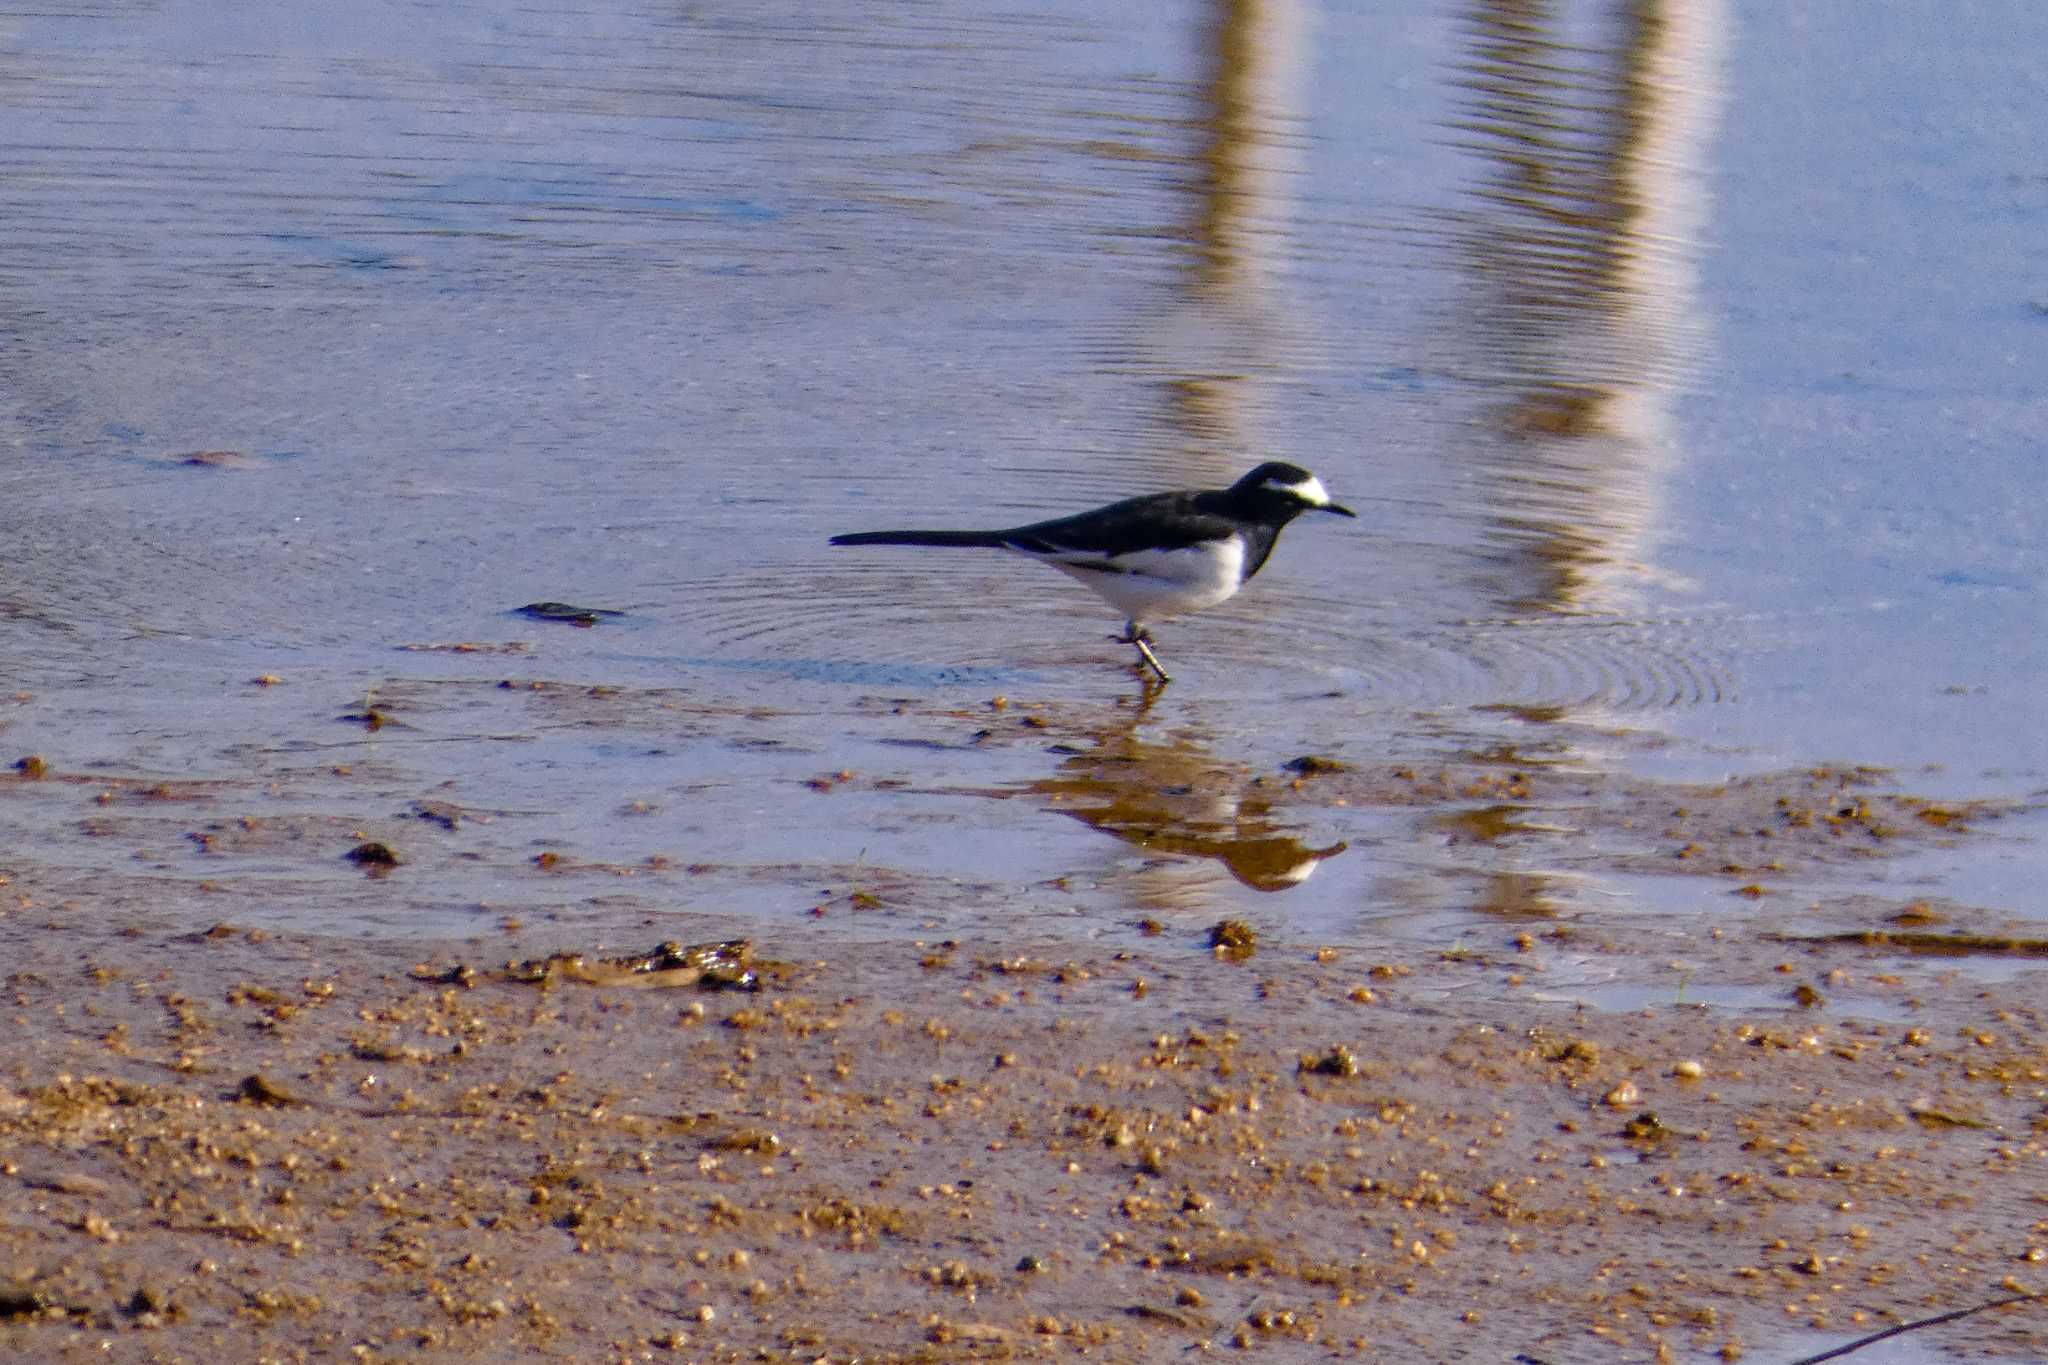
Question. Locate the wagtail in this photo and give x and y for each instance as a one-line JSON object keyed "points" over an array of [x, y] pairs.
{"points": [[1158, 555]]}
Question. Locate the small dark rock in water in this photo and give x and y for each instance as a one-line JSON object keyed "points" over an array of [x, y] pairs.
{"points": [[32, 767], [758, 1141], [260, 1089], [148, 1298], [1338, 1061], [370, 719], [565, 613], [1308, 765], [1645, 1127], [21, 1303], [1233, 939], [372, 855], [438, 812]]}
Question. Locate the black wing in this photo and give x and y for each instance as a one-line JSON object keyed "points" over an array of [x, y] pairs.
{"points": [[1154, 521]]}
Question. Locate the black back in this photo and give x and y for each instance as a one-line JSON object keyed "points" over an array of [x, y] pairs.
{"points": [[1151, 521]]}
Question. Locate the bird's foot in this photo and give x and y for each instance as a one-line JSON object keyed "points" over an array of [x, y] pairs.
{"points": [[1135, 634]]}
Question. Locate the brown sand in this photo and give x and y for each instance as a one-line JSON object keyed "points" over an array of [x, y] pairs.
{"points": [[243, 1145]]}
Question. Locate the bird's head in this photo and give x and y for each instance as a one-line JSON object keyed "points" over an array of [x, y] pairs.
{"points": [[1277, 482]]}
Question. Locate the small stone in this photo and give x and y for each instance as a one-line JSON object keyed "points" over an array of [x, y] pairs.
{"points": [[1233, 939], [372, 855]]}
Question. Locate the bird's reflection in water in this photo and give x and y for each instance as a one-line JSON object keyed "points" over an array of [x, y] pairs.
{"points": [[1175, 799]]}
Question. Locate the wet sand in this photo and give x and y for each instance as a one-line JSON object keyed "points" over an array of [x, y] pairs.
{"points": [[240, 1141]]}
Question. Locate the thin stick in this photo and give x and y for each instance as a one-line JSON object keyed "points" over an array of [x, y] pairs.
{"points": [[1915, 1326]]}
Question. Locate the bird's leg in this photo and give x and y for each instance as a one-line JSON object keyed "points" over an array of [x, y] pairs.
{"points": [[1151, 659], [1135, 634]]}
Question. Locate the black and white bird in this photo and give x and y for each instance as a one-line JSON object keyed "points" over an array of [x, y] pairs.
{"points": [[1158, 555]]}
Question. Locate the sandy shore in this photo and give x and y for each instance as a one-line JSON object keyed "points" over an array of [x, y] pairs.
{"points": [[239, 1144]]}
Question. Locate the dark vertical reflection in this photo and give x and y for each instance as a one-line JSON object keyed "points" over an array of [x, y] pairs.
{"points": [[1223, 337], [1591, 119], [1249, 98], [1588, 120]]}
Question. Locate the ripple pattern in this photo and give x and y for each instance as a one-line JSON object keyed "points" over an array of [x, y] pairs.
{"points": [[990, 611]]}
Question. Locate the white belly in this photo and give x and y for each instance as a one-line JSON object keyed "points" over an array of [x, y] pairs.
{"points": [[1152, 585]]}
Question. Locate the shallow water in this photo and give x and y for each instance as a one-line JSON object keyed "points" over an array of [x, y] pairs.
{"points": [[1683, 363]]}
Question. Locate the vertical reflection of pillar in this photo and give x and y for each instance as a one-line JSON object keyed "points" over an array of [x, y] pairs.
{"points": [[1250, 120], [1592, 120], [1223, 337]]}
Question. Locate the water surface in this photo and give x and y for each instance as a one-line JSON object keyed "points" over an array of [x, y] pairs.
{"points": [[1683, 362]]}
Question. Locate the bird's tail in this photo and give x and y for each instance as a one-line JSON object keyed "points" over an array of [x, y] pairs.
{"points": [[986, 540]]}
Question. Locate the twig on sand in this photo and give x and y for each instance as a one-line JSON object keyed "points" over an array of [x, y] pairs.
{"points": [[1836, 1353], [1915, 1326]]}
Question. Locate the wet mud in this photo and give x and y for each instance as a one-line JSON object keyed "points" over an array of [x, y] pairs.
{"points": [[241, 1142]]}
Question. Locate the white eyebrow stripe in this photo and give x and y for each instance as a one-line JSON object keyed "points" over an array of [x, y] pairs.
{"points": [[1309, 489]]}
